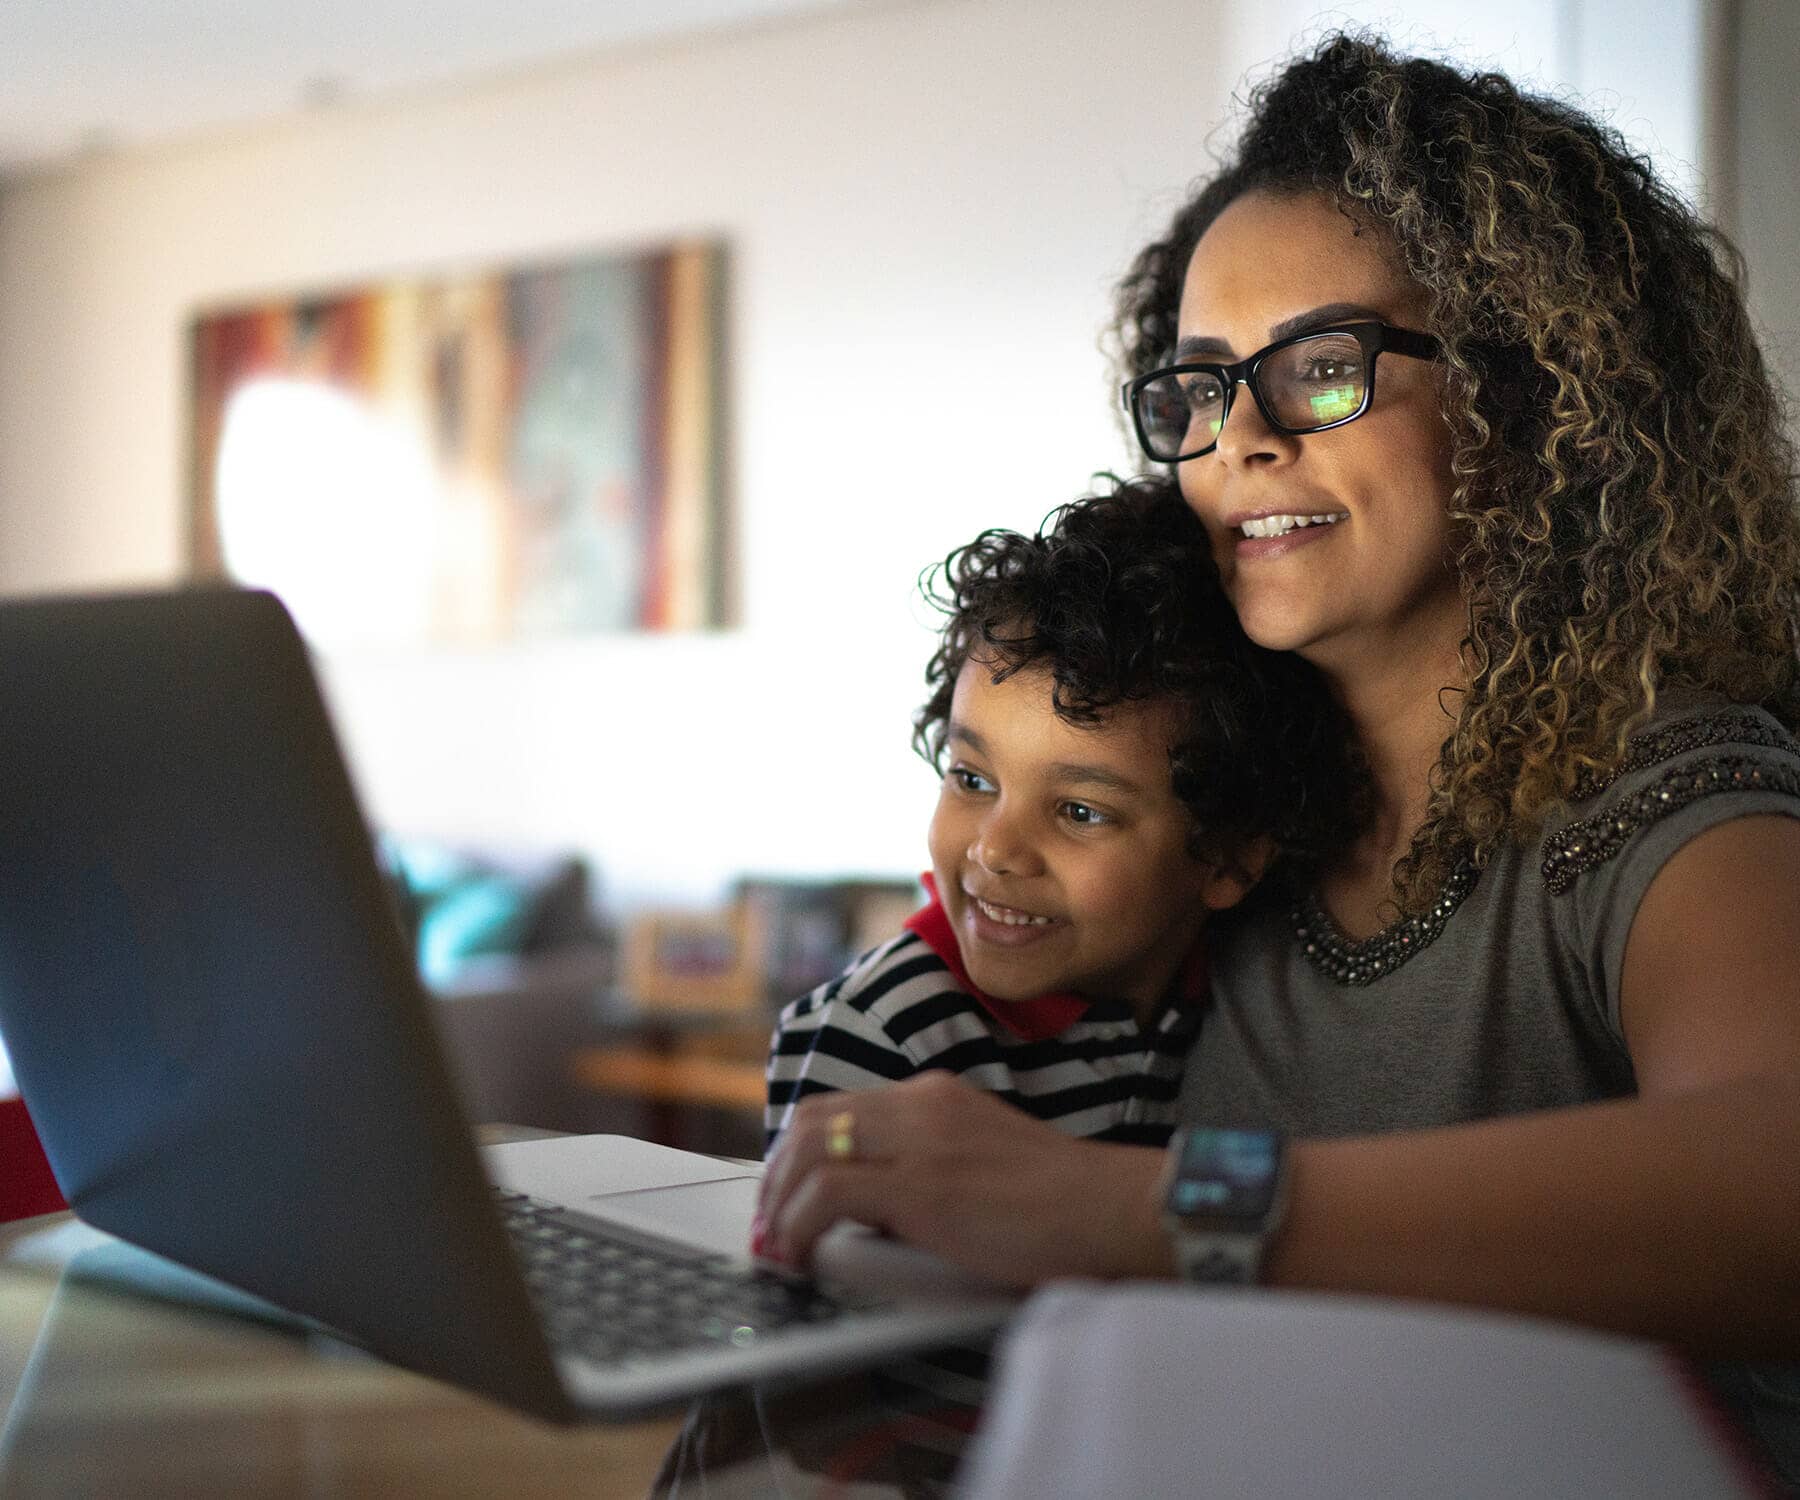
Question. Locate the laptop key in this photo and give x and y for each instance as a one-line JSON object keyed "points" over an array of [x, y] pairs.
{"points": [[618, 1299]]}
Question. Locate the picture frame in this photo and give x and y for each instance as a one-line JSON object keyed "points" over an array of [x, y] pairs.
{"points": [[472, 457]]}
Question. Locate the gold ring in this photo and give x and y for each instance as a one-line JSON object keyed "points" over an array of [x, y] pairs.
{"points": [[840, 1140]]}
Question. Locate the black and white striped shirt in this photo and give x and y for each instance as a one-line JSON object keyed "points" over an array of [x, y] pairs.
{"points": [[1085, 1066], [901, 1009]]}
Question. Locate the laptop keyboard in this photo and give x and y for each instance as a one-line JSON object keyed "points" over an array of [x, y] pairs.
{"points": [[612, 1296]]}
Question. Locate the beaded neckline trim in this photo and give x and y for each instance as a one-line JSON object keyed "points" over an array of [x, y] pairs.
{"points": [[1593, 841], [1358, 962], [1727, 727]]}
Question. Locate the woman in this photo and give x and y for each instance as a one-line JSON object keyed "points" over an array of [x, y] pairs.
{"points": [[1536, 1035]]}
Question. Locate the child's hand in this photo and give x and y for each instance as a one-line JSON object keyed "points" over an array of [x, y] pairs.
{"points": [[951, 1169]]}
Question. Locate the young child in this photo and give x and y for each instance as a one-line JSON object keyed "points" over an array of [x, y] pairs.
{"points": [[1118, 761]]}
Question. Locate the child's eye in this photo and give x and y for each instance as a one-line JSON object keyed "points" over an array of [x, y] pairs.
{"points": [[965, 780], [1083, 815]]}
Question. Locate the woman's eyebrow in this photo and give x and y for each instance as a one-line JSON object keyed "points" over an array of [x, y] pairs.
{"points": [[1323, 317], [1197, 346], [1201, 346]]}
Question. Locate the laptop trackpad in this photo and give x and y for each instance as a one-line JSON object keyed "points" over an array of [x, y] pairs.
{"points": [[712, 1215]]}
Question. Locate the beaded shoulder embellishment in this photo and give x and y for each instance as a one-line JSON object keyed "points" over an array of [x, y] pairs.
{"points": [[1732, 726], [1593, 841], [1347, 961]]}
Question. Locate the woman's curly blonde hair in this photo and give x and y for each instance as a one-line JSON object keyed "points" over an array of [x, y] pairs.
{"points": [[1624, 505]]}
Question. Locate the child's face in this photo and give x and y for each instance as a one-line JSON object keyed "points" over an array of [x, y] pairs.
{"points": [[1061, 850]]}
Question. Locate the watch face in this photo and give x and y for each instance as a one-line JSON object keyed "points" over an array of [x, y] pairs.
{"points": [[1226, 1172]]}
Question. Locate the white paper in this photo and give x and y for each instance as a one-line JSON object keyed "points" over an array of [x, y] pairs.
{"points": [[1259, 1395]]}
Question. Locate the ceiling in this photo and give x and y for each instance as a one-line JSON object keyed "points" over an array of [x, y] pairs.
{"points": [[86, 77]]}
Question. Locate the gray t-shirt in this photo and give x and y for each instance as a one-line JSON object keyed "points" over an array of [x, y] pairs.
{"points": [[1504, 997]]}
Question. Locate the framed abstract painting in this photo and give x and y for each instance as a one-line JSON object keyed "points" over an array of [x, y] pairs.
{"points": [[472, 459]]}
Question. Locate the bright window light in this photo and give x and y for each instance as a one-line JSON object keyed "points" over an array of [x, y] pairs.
{"points": [[327, 503]]}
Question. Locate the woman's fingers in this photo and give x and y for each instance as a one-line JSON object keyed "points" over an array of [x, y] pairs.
{"points": [[832, 1193], [837, 1157], [825, 1128], [953, 1170]]}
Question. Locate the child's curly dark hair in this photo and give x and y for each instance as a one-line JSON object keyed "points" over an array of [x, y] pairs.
{"points": [[1118, 598], [1624, 510]]}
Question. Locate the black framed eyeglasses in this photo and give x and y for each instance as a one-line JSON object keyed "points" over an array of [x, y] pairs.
{"points": [[1310, 382]]}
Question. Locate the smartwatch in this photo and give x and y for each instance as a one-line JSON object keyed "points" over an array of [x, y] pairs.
{"points": [[1223, 1194]]}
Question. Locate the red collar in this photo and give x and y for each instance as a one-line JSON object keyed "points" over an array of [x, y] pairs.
{"points": [[1045, 1016]]}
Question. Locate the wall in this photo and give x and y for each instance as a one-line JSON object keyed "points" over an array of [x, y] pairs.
{"points": [[926, 202], [1767, 222]]}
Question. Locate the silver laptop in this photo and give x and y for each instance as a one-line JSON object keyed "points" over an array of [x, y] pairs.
{"points": [[216, 1023]]}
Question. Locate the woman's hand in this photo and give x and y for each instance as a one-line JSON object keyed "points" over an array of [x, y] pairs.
{"points": [[953, 1170]]}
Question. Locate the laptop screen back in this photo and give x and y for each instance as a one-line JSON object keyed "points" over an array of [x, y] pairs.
{"points": [[204, 989]]}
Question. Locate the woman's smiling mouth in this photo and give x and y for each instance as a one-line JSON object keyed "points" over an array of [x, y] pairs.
{"points": [[1276, 533], [1281, 524]]}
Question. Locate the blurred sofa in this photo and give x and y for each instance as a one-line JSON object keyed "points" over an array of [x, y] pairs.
{"points": [[513, 947]]}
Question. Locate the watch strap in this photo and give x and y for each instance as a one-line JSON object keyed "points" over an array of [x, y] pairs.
{"points": [[1228, 1258]]}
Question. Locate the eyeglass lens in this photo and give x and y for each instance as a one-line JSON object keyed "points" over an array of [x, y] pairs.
{"points": [[1305, 385]]}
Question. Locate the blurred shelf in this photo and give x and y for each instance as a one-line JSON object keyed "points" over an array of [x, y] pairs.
{"points": [[660, 1075]]}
